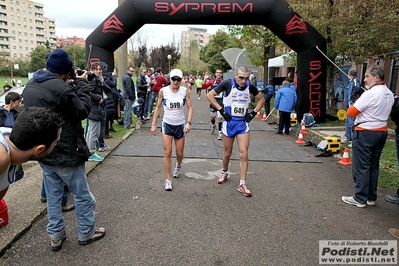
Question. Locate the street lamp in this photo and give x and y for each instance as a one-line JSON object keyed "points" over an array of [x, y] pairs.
{"points": [[169, 57]]}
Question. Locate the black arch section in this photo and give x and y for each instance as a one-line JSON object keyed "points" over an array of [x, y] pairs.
{"points": [[276, 15]]}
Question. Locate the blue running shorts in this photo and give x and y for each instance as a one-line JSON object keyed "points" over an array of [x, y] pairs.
{"points": [[233, 128], [174, 131]]}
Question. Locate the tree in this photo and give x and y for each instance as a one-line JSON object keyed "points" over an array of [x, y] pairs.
{"points": [[211, 53], [259, 41], [77, 54], [191, 63], [38, 58], [356, 29], [159, 57]]}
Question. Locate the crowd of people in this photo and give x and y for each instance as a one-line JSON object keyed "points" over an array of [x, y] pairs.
{"points": [[59, 102]]}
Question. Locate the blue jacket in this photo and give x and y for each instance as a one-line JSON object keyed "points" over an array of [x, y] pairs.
{"points": [[285, 100], [269, 90]]}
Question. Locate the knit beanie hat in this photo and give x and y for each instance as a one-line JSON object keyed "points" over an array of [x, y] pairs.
{"points": [[59, 62]]}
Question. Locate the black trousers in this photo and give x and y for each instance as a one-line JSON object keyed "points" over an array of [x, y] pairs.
{"points": [[284, 122]]}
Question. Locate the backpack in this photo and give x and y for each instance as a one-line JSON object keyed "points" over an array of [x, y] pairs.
{"points": [[308, 119], [395, 110]]}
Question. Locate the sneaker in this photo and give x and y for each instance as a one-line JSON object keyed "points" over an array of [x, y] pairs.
{"points": [[57, 245], [392, 199], [177, 172], [199, 98], [168, 185], [349, 144], [223, 177], [352, 201], [213, 126], [105, 148], [96, 158], [43, 199], [371, 203], [68, 207], [220, 135], [244, 190], [98, 234]]}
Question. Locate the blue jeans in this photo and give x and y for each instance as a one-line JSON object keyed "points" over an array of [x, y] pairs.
{"points": [[350, 131], [367, 147], [127, 113], [54, 178], [64, 199]]}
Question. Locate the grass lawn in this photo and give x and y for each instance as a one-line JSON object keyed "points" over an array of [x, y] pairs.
{"points": [[2, 79]]}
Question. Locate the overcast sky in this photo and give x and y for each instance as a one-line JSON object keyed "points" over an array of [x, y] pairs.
{"points": [[81, 17]]}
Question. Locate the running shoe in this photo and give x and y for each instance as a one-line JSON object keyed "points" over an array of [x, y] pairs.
{"points": [[220, 135], [168, 185], [96, 158], [213, 126], [177, 172], [244, 190], [223, 177]]}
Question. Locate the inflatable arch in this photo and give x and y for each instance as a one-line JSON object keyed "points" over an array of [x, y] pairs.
{"points": [[276, 15]]}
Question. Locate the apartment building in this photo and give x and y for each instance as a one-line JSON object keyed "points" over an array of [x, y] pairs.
{"points": [[65, 41], [23, 27], [201, 36]]}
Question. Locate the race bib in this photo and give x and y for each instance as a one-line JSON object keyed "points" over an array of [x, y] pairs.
{"points": [[238, 109], [174, 104]]}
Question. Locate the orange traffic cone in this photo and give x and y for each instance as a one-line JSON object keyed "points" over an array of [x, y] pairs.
{"points": [[303, 128], [345, 158], [264, 118], [258, 114], [300, 139]]}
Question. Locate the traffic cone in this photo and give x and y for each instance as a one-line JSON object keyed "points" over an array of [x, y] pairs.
{"points": [[303, 128], [345, 158], [300, 139], [258, 114], [264, 118]]}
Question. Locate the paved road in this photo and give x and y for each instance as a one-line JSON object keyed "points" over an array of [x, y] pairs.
{"points": [[294, 205]]}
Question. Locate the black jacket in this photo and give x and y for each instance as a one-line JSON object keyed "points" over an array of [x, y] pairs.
{"points": [[73, 104], [97, 91]]}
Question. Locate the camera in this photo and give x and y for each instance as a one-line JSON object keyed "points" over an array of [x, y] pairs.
{"points": [[90, 76], [79, 71]]}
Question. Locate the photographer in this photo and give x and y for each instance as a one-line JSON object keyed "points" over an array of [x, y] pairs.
{"points": [[49, 88]]}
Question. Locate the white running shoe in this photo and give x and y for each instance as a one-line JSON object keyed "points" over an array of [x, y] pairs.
{"points": [[220, 135], [168, 185], [176, 172]]}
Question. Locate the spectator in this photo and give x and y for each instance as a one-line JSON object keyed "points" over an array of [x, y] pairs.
{"points": [[158, 80], [142, 87], [97, 112], [6, 86], [129, 95], [138, 110], [8, 114], [354, 92], [371, 131], [49, 88], [268, 93], [285, 103]]}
